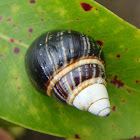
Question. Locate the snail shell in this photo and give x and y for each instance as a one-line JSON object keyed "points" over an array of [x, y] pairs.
{"points": [[69, 66]]}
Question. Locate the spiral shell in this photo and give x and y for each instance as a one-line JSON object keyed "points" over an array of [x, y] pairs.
{"points": [[69, 66]]}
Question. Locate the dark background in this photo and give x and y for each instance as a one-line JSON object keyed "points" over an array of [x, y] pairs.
{"points": [[129, 10]]}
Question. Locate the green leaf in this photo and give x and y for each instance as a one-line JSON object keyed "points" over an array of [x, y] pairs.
{"points": [[21, 21]]}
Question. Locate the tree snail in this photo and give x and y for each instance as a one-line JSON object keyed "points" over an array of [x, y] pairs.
{"points": [[69, 66]]}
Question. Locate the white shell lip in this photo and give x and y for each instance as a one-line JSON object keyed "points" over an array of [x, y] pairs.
{"points": [[94, 99]]}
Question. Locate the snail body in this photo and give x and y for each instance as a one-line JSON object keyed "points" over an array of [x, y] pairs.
{"points": [[69, 66]]}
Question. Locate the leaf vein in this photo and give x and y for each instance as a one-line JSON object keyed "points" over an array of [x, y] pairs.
{"points": [[7, 38]]}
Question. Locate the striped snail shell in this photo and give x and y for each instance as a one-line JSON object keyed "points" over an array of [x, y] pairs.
{"points": [[69, 66]]}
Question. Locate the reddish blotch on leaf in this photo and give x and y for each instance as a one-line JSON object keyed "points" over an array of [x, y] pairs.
{"points": [[115, 81], [16, 50], [128, 90], [32, 1], [100, 42], [118, 56], [86, 7], [114, 108], [30, 30], [77, 136], [12, 40]]}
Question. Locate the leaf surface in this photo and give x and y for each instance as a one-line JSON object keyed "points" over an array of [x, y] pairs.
{"points": [[22, 21]]}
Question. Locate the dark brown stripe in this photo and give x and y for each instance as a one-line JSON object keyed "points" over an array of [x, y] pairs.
{"points": [[87, 69], [83, 76], [91, 70], [69, 81], [57, 97], [62, 87], [103, 75], [76, 76], [98, 71], [60, 90]]}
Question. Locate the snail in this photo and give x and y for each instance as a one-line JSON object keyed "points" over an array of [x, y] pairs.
{"points": [[70, 67]]}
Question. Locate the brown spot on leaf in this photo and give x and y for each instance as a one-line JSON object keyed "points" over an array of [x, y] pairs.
{"points": [[112, 125], [42, 19], [100, 42], [115, 81], [2, 56], [18, 88], [96, 9], [28, 85], [110, 75], [88, 31], [32, 1], [63, 112], [1, 18], [9, 20], [126, 49], [16, 78], [20, 41], [29, 35], [137, 59], [114, 108], [70, 20], [30, 30], [137, 81], [16, 50], [118, 56], [43, 12], [128, 90], [86, 7], [123, 101], [76, 136], [14, 25], [12, 40], [119, 129], [77, 19]]}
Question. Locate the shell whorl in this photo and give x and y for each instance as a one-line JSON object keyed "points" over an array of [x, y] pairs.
{"points": [[53, 51], [76, 80], [63, 63]]}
